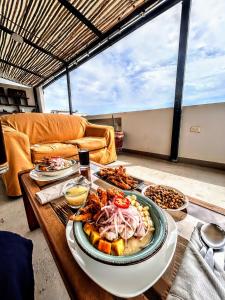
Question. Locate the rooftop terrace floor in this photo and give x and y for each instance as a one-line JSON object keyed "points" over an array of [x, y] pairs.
{"points": [[204, 183], [207, 184]]}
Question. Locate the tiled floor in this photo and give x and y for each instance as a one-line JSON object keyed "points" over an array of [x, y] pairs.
{"points": [[204, 183]]}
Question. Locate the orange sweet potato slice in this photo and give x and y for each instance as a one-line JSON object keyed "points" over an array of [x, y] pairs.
{"points": [[104, 246]]}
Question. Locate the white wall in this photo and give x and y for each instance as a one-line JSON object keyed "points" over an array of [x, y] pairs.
{"points": [[209, 144], [148, 131], [29, 91], [151, 131]]}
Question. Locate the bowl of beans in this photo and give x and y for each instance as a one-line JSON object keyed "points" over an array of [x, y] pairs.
{"points": [[166, 197]]}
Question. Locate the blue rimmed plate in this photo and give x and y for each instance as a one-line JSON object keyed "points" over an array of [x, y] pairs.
{"points": [[159, 236]]}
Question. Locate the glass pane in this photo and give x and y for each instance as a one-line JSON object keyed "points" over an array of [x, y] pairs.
{"points": [[56, 96], [205, 69], [137, 73]]}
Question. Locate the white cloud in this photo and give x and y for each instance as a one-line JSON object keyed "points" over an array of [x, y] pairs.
{"points": [[134, 73], [56, 97], [205, 71]]}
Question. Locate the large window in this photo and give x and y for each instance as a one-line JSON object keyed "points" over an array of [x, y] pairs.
{"points": [[205, 69], [56, 96], [137, 73]]}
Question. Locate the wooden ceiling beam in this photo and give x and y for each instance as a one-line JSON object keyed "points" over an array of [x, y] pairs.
{"points": [[93, 32], [28, 42], [21, 68], [115, 29], [80, 16]]}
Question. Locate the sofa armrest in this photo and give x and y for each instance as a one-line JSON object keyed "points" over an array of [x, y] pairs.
{"points": [[107, 132], [18, 153], [98, 130]]}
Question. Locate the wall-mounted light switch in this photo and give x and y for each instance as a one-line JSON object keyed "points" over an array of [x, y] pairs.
{"points": [[195, 129]]}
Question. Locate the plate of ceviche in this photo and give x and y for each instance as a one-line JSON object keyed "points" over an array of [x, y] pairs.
{"points": [[54, 166], [119, 228]]}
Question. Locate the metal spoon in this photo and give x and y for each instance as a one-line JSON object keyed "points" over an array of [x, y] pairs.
{"points": [[214, 237]]}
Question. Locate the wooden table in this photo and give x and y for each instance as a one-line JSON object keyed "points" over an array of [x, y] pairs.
{"points": [[78, 284]]}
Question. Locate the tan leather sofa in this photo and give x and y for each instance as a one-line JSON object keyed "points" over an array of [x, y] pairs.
{"points": [[29, 137]]}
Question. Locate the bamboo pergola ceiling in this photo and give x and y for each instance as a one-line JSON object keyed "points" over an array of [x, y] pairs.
{"points": [[39, 38]]}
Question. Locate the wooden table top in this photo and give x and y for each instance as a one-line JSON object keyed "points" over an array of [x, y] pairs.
{"points": [[78, 284]]}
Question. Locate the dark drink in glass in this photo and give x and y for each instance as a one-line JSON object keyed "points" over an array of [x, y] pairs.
{"points": [[84, 163]]}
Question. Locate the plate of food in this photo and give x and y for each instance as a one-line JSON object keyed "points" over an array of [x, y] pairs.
{"points": [[166, 197], [54, 166], [121, 281], [119, 228], [42, 178], [119, 178]]}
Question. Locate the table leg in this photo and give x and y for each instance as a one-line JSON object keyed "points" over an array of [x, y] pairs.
{"points": [[31, 218]]}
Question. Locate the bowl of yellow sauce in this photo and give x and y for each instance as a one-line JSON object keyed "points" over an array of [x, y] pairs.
{"points": [[76, 194]]}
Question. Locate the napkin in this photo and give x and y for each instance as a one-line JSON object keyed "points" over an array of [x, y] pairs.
{"points": [[195, 279], [3, 166], [56, 191]]}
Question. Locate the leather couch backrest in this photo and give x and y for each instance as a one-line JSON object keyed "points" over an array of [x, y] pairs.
{"points": [[45, 128]]}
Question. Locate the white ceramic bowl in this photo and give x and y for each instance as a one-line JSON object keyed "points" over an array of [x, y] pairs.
{"points": [[185, 199]]}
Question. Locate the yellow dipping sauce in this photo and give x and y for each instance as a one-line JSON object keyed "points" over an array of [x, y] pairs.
{"points": [[76, 195]]}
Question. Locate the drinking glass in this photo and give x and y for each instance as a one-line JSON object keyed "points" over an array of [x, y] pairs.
{"points": [[76, 194]]}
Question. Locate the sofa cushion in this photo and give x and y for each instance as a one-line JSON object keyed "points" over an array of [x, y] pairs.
{"points": [[90, 143], [38, 152]]}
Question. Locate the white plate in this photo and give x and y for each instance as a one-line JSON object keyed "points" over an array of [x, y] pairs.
{"points": [[39, 177], [185, 199], [126, 281]]}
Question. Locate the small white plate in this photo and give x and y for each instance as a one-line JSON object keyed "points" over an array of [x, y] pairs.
{"points": [[185, 199], [126, 281], [39, 177]]}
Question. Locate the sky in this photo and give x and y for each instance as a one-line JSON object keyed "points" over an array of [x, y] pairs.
{"points": [[139, 72]]}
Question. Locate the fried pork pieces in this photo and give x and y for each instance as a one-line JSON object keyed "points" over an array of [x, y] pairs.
{"points": [[94, 204], [118, 177]]}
